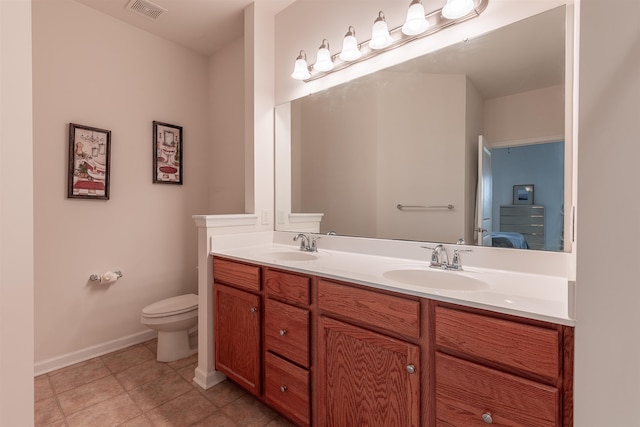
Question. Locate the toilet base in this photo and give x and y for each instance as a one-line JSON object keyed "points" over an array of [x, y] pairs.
{"points": [[174, 345]]}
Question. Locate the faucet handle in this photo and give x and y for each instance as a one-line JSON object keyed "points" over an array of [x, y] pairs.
{"points": [[456, 263]]}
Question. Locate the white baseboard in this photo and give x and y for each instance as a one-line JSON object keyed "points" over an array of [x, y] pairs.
{"points": [[90, 352], [206, 380]]}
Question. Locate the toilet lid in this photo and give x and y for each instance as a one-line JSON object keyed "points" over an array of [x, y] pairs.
{"points": [[170, 306]]}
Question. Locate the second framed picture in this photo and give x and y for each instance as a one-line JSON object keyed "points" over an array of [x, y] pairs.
{"points": [[167, 153], [523, 194]]}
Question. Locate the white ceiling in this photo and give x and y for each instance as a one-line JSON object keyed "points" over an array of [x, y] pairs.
{"points": [[201, 25]]}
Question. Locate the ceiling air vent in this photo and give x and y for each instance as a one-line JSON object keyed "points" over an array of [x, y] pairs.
{"points": [[146, 8]]}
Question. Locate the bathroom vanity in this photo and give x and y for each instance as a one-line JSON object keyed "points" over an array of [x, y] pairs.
{"points": [[327, 347]]}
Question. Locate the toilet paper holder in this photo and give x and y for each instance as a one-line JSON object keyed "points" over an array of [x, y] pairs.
{"points": [[98, 277]]}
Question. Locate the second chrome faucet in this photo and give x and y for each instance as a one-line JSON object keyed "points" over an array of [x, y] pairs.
{"points": [[307, 244], [440, 258]]}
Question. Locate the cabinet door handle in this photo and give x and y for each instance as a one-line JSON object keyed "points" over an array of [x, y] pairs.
{"points": [[283, 332], [487, 418], [283, 388], [254, 309], [411, 369]]}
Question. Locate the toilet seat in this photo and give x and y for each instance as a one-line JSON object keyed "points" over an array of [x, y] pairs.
{"points": [[171, 306]]}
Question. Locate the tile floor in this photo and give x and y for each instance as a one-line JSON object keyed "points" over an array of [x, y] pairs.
{"points": [[130, 388]]}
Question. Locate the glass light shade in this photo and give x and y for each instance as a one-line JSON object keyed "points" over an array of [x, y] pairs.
{"points": [[455, 9], [416, 22], [323, 60], [380, 37], [301, 69], [350, 50]]}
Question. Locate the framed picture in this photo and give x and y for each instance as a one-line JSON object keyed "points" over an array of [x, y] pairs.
{"points": [[89, 154], [167, 153], [523, 194]]}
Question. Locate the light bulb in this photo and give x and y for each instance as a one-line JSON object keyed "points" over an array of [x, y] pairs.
{"points": [[350, 50], [380, 37], [416, 22], [323, 60], [301, 69], [455, 9]]}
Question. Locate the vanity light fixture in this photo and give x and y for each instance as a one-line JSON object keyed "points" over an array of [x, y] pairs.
{"points": [[323, 60], [416, 22], [301, 68], [416, 25], [380, 37], [350, 48], [455, 9]]}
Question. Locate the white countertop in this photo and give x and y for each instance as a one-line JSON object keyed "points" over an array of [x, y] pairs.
{"points": [[534, 296]]}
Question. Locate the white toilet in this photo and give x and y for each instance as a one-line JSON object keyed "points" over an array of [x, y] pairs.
{"points": [[172, 318]]}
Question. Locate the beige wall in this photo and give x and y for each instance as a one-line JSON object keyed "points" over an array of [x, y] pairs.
{"points": [[226, 131], [536, 114], [94, 70], [607, 361], [16, 216]]}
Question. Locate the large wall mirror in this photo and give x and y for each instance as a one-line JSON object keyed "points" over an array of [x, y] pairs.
{"points": [[394, 154]]}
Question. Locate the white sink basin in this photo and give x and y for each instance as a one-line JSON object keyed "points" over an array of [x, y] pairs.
{"points": [[436, 279]]}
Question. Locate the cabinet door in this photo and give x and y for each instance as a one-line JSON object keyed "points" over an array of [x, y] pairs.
{"points": [[237, 336], [366, 379]]}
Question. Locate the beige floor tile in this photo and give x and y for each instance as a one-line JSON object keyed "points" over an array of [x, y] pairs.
{"points": [[184, 362], [132, 356], [217, 419], [77, 375], [141, 421], [249, 412], [159, 391], [47, 413], [111, 412], [89, 394], [188, 372], [224, 393], [42, 388], [142, 374], [184, 410], [280, 422], [152, 345]]}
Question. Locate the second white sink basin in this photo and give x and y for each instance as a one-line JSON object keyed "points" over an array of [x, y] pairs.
{"points": [[436, 279]]}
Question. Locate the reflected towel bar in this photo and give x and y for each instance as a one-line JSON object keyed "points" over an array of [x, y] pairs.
{"points": [[401, 207]]}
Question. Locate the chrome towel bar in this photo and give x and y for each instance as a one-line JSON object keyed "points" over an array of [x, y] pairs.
{"points": [[401, 207]]}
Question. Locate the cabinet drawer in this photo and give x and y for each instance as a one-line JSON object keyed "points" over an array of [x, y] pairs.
{"points": [[524, 348], [287, 388], [289, 287], [286, 331], [466, 391], [392, 313], [236, 274]]}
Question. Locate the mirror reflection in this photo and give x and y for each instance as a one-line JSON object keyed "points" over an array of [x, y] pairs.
{"points": [[394, 154]]}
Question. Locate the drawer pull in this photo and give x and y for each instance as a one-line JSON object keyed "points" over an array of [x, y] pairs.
{"points": [[411, 369], [283, 388], [283, 332], [487, 418], [254, 309]]}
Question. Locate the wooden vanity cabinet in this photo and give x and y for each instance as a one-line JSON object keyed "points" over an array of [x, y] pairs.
{"points": [[331, 353], [366, 374], [501, 370], [237, 323], [287, 331]]}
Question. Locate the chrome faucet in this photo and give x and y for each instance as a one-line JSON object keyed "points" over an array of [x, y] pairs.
{"points": [[306, 244], [440, 258]]}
